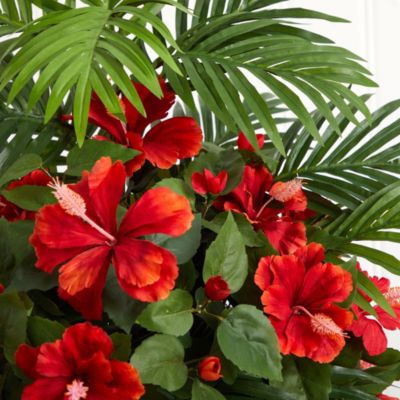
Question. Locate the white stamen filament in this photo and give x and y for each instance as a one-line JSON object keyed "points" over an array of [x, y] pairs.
{"points": [[74, 204], [76, 390]]}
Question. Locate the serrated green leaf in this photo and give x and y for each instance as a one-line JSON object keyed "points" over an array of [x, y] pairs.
{"points": [[247, 338], [227, 256], [172, 316], [201, 391], [21, 167], [83, 158], [159, 360]]}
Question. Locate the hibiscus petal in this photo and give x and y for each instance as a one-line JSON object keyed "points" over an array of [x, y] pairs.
{"points": [[285, 236], [244, 144], [155, 108], [325, 284], [58, 230], [135, 142], [106, 184], [263, 276], [84, 270], [302, 341], [88, 301], [52, 361], [50, 389], [26, 359], [144, 270], [159, 210], [172, 140], [100, 116], [82, 341], [310, 255], [126, 383], [373, 336]]}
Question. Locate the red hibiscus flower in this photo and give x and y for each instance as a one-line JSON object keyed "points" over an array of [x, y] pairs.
{"points": [[244, 144], [217, 288], [210, 369], [299, 296], [206, 183], [76, 367], [163, 144], [12, 212], [80, 233], [279, 223], [367, 326]]}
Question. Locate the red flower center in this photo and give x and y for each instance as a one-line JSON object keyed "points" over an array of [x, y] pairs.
{"points": [[74, 204], [76, 390]]}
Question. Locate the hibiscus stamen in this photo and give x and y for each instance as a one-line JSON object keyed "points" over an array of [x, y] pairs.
{"points": [[285, 191], [76, 390], [393, 296], [323, 325], [263, 207], [74, 204]]}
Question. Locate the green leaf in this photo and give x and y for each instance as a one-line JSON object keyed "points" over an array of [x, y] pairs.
{"points": [[121, 346], [172, 316], [30, 197], [159, 360], [83, 158], [227, 256], [115, 300], [315, 378], [201, 391], [21, 167], [372, 291], [247, 338], [14, 311], [183, 247], [42, 330]]}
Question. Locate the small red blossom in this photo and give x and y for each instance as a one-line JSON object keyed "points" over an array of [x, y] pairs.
{"points": [[1, 288], [76, 367], [371, 329], [299, 296], [244, 144], [80, 234], [207, 183], [217, 288], [163, 144], [210, 369], [280, 224], [12, 212]]}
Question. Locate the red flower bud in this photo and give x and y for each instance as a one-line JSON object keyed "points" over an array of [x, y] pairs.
{"points": [[244, 144], [206, 182], [1, 288], [216, 288], [210, 369]]}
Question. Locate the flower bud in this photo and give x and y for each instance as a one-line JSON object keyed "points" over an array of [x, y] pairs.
{"points": [[210, 369], [216, 288], [206, 183]]}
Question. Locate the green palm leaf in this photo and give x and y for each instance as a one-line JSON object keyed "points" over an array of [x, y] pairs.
{"points": [[224, 45], [79, 48]]}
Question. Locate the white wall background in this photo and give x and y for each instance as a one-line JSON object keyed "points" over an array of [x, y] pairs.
{"points": [[374, 35]]}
